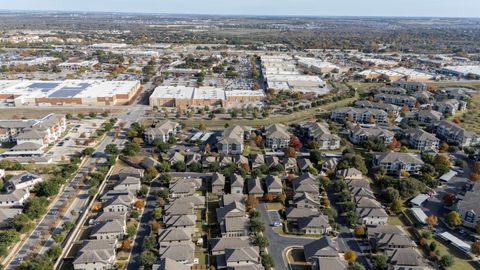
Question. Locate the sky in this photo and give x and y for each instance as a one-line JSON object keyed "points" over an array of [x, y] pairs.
{"points": [[400, 8]]}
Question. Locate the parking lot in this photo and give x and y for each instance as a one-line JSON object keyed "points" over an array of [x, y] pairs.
{"points": [[73, 142]]}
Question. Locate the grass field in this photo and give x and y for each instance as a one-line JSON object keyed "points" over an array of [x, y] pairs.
{"points": [[467, 84], [395, 221], [471, 117], [362, 87], [460, 262], [284, 119]]}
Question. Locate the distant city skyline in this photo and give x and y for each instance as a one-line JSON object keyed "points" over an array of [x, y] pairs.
{"points": [[399, 8]]}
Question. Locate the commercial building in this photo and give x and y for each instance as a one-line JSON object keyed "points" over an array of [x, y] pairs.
{"points": [[472, 72], [68, 92], [183, 97]]}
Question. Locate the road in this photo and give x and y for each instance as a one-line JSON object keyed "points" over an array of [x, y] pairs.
{"points": [[144, 227], [279, 243], [80, 202], [346, 240]]}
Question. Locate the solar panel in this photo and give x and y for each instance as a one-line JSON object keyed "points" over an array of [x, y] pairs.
{"points": [[64, 93], [45, 87]]}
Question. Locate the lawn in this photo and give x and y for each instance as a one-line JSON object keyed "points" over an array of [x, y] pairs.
{"points": [[395, 221], [460, 261], [274, 206]]}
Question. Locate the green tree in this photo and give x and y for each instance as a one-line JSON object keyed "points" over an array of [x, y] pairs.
{"points": [[261, 241], [379, 262], [396, 205], [131, 149], [131, 231], [446, 261], [22, 223], [88, 151], [36, 207], [257, 225], [147, 259], [179, 166], [454, 219], [111, 149]]}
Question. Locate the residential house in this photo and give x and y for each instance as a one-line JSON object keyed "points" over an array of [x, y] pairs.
{"points": [[306, 200], [350, 174], [314, 225], [273, 185], [294, 214], [405, 258], [24, 180], [175, 157], [129, 183], [218, 183], [236, 184], [173, 236], [322, 248], [14, 198], [277, 136], [358, 134], [218, 245], [192, 158], [162, 131], [183, 253], [422, 140], [258, 160], [410, 86], [396, 162], [359, 115], [240, 258], [96, 254], [231, 142], [304, 164], [130, 171], [272, 161], [398, 100], [169, 264], [450, 106], [108, 230], [388, 241], [469, 209], [429, 117], [255, 187], [330, 164], [320, 133], [452, 132], [392, 90], [392, 110], [372, 216], [121, 203], [329, 263], [290, 165]]}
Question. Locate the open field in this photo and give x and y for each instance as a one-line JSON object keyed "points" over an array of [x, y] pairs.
{"points": [[467, 84], [284, 119], [471, 117], [362, 87]]}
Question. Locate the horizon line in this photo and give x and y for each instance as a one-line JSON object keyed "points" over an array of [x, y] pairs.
{"points": [[242, 15]]}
